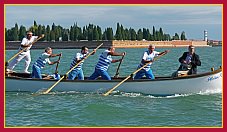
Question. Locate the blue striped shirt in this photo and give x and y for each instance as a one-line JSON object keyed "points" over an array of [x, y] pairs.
{"points": [[78, 56], [148, 57], [104, 61], [42, 60]]}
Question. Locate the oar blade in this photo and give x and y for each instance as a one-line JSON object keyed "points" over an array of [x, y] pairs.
{"points": [[48, 90]]}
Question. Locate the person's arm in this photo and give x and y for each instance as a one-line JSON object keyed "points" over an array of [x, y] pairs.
{"points": [[116, 54], [54, 55], [23, 43], [182, 58], [54, 62], [164, 52], [94, 52], [40, 36], [114, 61], [46, 57], [146, 61], [196, 61]]}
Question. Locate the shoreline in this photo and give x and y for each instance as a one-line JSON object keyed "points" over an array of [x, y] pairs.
{"points": [[117, 44]]}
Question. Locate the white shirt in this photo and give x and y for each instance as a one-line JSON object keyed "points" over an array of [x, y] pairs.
{"points": [[188, 58], [148, 57], [25, 41]]}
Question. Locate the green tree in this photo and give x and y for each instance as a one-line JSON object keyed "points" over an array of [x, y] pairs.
{"points": [[139, 35], [118, 34], [176, 37], [35, 28], [22, 32], [6, 34], [65, 36], [145, 34], [158, 36], [104, 35], [52, 35], [9, 33], [99, 32], [182, 36], [95, 34], [85, 33], [127, 34], [47, 34], [76, 32], [71, 33], [39, 30], [14, 34], [161, 34], [154, 37], [133, 34], [109, 33], [90, 32], [167, 37], [122, 32]]}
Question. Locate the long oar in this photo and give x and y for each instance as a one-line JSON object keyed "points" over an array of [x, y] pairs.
{"points": [[56, 75], [49, 89], [117, 72], [56, 69], [107, 93], [23, 49]]}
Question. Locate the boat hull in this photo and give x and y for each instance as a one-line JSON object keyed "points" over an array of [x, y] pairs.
{"points": [[184, 85]]}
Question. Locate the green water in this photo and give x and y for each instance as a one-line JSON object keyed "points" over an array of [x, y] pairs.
{"points": [[129, 110]]}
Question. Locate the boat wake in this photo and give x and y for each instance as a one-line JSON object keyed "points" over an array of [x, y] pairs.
{"points": [[215, 91], [125, 94]]}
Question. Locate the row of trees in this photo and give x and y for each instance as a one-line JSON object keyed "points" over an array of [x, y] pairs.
{"points": [[89, 32]]}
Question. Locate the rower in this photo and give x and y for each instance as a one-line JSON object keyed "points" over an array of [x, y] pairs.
{"points": [[148, 57], [105, 59], [26, 45], [41, 62], [77, 71]]}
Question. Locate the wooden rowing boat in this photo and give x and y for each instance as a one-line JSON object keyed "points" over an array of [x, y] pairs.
{"points": [[199, 83]]}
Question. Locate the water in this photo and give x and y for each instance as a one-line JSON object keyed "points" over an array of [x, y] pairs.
{"points": [[126, 109]]}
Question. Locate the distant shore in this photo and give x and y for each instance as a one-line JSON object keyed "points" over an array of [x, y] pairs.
{"points": [[118, 44]]}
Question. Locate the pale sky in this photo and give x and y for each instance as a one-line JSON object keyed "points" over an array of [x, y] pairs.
{"points": [[193, 19]]}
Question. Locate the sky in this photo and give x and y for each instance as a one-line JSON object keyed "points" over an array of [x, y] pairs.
{"points": [[192, 19]]}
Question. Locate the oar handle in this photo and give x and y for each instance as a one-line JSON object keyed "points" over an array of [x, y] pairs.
{"points": [[117, 72], [107, 93], [23, 49], [56, 69], [49, 89]]}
